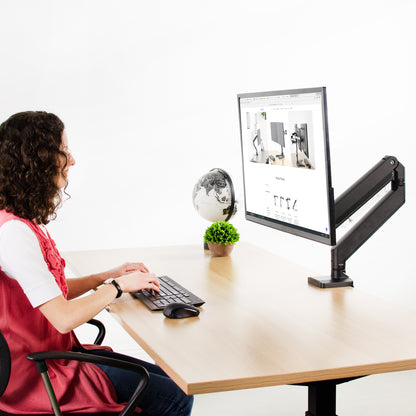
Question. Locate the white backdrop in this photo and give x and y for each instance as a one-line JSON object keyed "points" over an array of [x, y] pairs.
{"points": [[147, 90]]}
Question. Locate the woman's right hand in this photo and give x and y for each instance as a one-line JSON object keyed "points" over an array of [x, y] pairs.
{"points": [[138, 280], [65, 315]]}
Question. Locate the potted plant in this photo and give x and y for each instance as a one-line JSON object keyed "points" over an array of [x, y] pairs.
{"points": [[221, 237]]}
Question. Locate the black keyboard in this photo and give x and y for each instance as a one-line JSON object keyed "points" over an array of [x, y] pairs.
{"points": [[170, 292]]}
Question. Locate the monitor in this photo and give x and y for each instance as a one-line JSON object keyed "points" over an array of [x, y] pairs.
{"points": [[288, 195]]}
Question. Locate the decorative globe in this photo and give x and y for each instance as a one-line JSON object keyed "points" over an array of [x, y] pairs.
{"points": [[213, 196]]}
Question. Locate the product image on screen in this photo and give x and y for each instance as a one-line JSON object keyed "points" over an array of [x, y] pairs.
{"points": [[286, 166]]}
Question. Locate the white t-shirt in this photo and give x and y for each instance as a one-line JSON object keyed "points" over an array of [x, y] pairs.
{"points": [[21, 259]]}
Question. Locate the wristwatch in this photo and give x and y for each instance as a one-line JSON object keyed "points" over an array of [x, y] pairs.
{"points": [[117, 286]]}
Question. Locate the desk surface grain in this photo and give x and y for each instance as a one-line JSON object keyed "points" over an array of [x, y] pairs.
{"points": [[262, 324]]}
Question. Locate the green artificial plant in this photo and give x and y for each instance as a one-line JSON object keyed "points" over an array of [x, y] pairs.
{"points": [[221, 232]]}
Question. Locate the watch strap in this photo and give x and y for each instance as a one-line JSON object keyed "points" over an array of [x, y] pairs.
{"points": [[117, 286]]}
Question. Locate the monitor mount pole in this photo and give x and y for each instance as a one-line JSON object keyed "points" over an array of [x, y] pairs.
{"points": [[388, 170]]}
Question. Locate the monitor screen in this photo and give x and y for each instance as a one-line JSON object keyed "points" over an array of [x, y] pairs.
{"points": [[287, 179]]}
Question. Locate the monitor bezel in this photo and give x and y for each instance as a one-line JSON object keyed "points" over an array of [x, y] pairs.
{"points": [[279, 225]]}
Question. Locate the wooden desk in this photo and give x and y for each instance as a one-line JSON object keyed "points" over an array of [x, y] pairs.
{"points": [[262, 324]]}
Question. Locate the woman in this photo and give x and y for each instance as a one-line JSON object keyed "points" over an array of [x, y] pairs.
{"points": [[39, 307]]}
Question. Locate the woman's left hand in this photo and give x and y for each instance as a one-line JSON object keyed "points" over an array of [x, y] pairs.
{"points": [[124, 269]]}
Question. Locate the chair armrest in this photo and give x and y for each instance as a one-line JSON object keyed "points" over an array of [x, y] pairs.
{"points": [[40, 358], [101, 330]]}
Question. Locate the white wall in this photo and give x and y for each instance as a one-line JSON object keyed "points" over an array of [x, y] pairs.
{"points": [[148, 94]]}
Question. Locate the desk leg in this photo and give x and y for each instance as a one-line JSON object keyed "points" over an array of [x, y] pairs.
{"points": [[322, 398]]}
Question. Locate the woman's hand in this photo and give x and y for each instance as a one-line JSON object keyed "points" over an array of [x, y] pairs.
{"points": [[142, 279], [65, 315], [133, 276], [138, 280], [125, 268]]}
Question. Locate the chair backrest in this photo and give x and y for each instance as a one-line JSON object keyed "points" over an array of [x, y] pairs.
{"points": [[5, 363]]}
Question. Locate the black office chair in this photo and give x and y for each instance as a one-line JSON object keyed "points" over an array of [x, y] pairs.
{"points": [[40, 358], [101, 330]]}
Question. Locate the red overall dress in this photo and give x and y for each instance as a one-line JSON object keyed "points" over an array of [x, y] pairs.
{"points": [[79, 387]]}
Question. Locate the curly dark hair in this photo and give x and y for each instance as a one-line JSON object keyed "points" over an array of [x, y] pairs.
{"points": [[30, 148]]}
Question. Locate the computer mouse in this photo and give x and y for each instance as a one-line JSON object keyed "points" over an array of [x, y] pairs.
{"points": [[179, 310]]}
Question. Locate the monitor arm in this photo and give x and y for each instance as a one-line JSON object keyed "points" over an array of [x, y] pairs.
{"points": [[254, 145], [295, 139], [388, 170]]}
